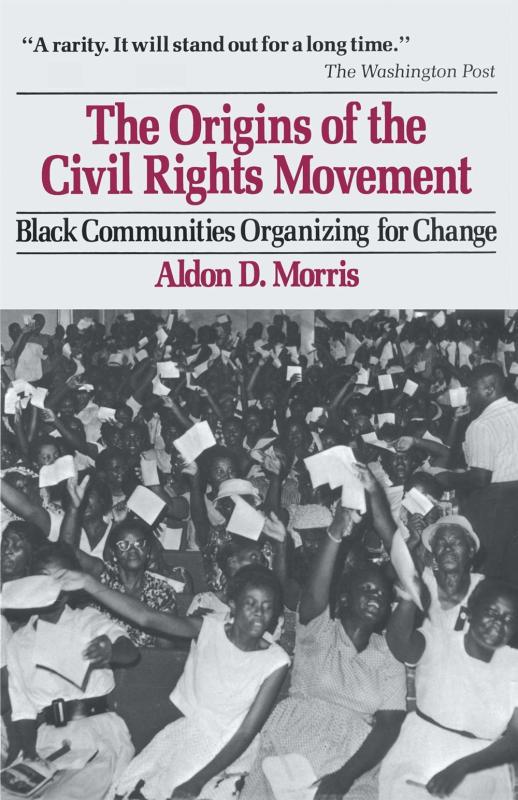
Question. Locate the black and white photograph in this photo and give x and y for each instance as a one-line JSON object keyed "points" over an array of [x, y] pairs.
{"points": [[259, 554]]}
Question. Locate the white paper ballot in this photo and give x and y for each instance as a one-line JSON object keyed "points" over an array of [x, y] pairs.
{"points": [[513, 369], [170, 322], [62, 469], [38, 397], [374, 360], [372, 439], [396, 369], [334, 466], [36, 591], [167, 369], [458, 397], [405, 567], [195, 441], [84, 323], [200, 369], [315, 414], [68, 662], [386, 418], [420, 366], [161, 336], [291, 777], [410, 387], [223, 319], [145, 504], [353, 494], [171, 538], [416, 502], [365, 390], [149, 470], [291, 371], [129, 316], [159, 388], [115, 360], [439, 319], [140, 355], [245, 520], [20, 385], [134, 405], [385, 382], [143, 342], [10, 400], [106, 414], [363, 376]]}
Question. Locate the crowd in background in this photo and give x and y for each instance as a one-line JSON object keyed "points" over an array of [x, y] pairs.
{"points": [[381, 602]]}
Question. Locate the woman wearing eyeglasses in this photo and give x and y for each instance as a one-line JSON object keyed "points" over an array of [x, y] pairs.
{"points": [[129, 543], [128, 556], [122, 556]]}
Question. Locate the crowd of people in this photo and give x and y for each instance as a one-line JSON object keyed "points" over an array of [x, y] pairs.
{"points": [[353, 503]]}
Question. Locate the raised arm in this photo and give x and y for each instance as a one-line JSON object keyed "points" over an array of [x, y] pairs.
{"points": [[129, 607], [17, 501], [70, 530], [249, 728], [199, 514], [437, 450], [405, 642], [315, 597], [383, 522]]}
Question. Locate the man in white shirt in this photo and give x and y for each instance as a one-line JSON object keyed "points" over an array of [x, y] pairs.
{"points": [[491, 481]]}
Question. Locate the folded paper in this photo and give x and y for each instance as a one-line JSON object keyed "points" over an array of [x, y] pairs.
{"points": [[193, 443], [167, 369], [245, 520], [146, 504], [62, 469]]}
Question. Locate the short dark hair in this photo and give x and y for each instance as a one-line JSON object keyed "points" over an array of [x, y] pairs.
{"points": [[258, 577], [31, 534], [490, 588], [58, 553], [488, 370]]}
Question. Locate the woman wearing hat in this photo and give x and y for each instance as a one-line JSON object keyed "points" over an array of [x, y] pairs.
{"points": [[451, 544]]}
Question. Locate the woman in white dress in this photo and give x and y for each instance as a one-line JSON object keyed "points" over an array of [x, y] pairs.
{"points": [[225, 694], [464, 733]]}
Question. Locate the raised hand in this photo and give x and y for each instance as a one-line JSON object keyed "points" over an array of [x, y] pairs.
{"points": [[274, 528], [99, 651]]}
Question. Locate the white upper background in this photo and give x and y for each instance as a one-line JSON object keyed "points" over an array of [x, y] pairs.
{"points": [[447, 34]]}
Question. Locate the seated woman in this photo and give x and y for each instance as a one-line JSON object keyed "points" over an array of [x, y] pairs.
{"points": [[226, 692], [127, 547], [347, 694], [449, 545], [19, 541], [48, 707], [464, 732]]}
